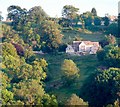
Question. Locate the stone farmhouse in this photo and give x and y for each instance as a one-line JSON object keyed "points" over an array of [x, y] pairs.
{"points": [[83, 47]]}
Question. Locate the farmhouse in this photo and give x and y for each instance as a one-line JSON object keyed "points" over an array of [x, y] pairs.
{"points": [[83, 47]]}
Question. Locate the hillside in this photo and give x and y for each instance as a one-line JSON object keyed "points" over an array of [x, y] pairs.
{"points": [[71, 60], [86, 64], [70, 35]]}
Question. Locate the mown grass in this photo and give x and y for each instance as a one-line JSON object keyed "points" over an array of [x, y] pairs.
{"points": [[87, 65]]}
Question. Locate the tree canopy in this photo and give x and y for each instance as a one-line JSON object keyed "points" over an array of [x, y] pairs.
{"points": [[51, 36], [94, 12], [110, 56], [69, 12], [102, 88], [70, 71], [74, 100]]}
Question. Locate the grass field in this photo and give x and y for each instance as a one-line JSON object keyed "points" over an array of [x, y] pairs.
{"points": [[70, 35], [87, 65]]}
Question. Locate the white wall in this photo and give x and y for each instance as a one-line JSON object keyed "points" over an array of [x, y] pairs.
{"points": [[69, 49]]}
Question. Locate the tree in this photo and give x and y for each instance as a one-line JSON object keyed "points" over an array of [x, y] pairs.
{"points": [[104, 42], [37, 14], [102, 88], [106, 21], [31, 92], [70, 71], [7, 32], [10, 57], [10, 35], [111, 39], [97, 21], [110, 56], [119, 25], [87, 18], [1, 18], [6, 95], [51, 36], [74, 100], [100, 55], [94, 12], [70, 13], [82, 21], [11, 61], [16, 13], [112, 29], [64, 22], [30, 35], [88, 21], [19, 49]]}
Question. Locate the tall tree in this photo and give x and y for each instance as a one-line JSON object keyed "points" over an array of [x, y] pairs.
{"points": [[16, 14], [94, 12], [37, 14], [70, 12]]}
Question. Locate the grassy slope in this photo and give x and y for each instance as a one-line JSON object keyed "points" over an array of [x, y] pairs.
{"points": [[87, 65], [70, 35]]}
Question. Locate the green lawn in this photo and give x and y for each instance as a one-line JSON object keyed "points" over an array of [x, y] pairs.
{"points": [[87, 65], [70, 35]]}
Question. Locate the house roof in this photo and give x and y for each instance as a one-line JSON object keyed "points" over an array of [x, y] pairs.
{"points": [[75, 44], [91, 43], [112, 18]]}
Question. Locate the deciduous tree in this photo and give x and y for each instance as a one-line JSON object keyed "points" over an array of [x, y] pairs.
{"points": [[51, 36], [102, 88], [74, 100], [111, 56], [70, 13], [70, 71], [97, 21]]}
